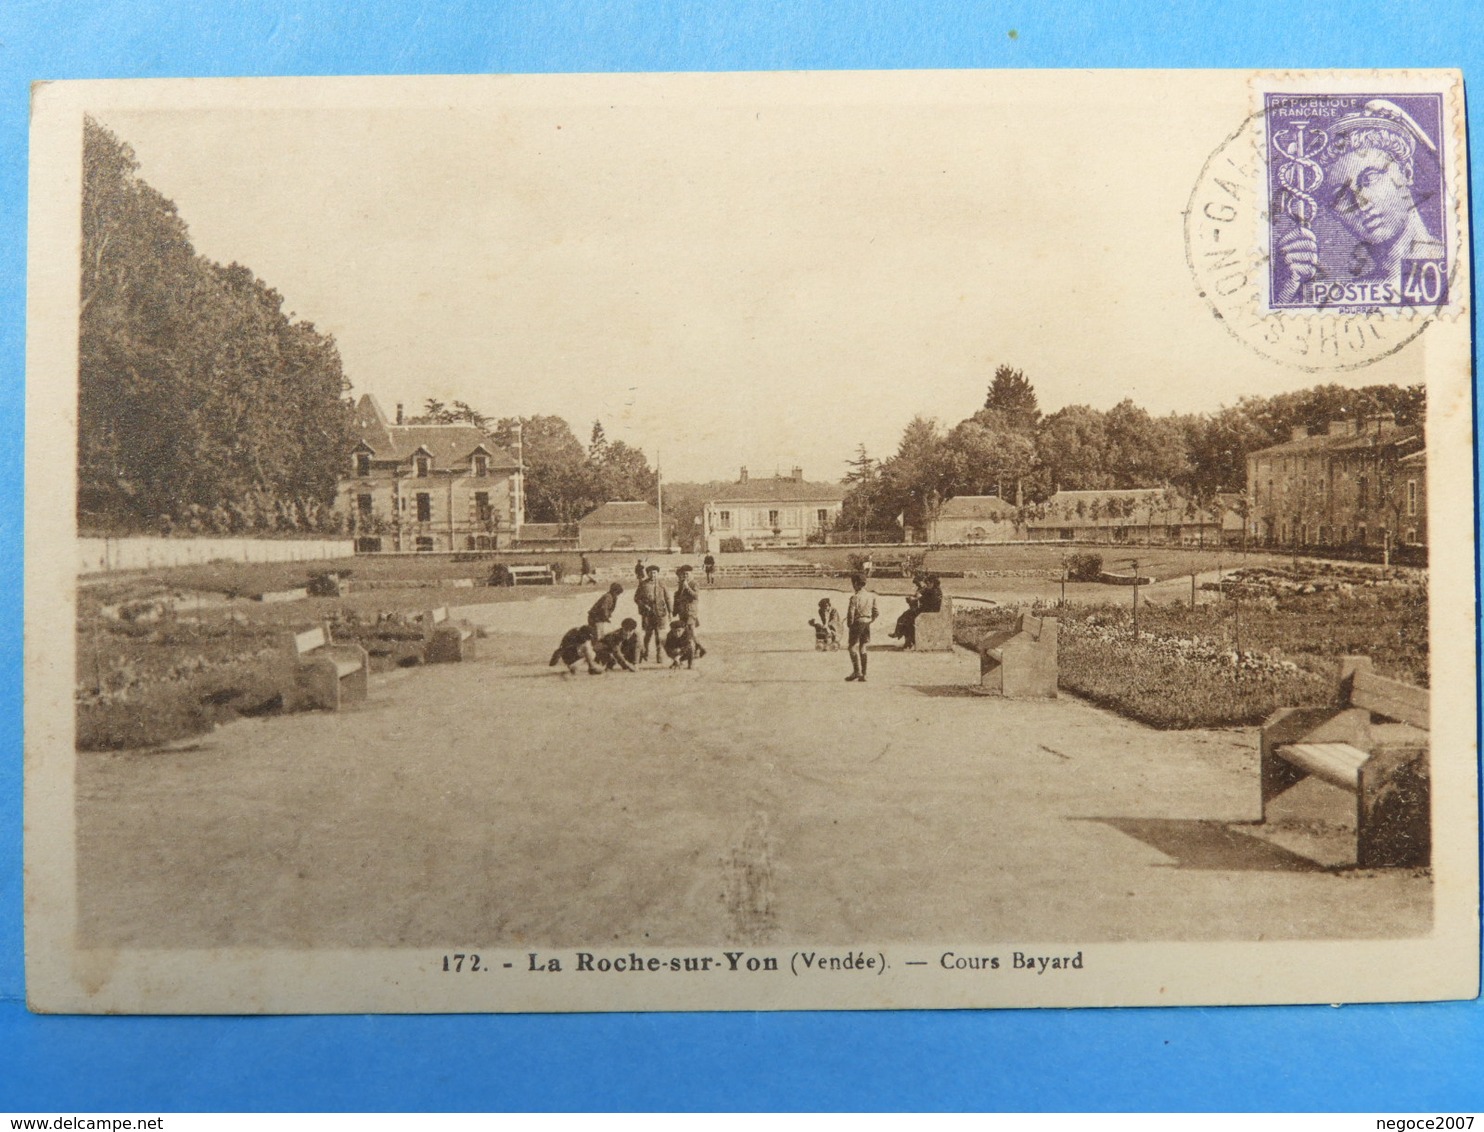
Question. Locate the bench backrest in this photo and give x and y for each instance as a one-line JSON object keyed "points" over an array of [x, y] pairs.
{"points": [[310, 639], [1362, 688], [436, 616]]}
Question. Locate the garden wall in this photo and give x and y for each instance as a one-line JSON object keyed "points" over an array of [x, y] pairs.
{"points": [[102, 555]]}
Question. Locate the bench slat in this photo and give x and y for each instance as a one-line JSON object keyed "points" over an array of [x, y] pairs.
{"points": [[1390, 698], [344, 668], [1338, 763], [309, 640]]}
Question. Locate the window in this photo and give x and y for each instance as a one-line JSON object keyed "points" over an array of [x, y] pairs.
{"points": [[424, 544], [424, 507], [1411, 499], [368, 545], [1363, 494], [424, 465], [1411, 535], [773, 520], [363, 463], [363, 504], [724, 520], [481, 465], [822, 516], [482, 510], [1360, 534]]}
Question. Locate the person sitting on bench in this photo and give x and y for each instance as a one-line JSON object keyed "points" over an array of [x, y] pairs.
{"points": [[620, 648], [927, 599], [827, 627], [577, 645]]}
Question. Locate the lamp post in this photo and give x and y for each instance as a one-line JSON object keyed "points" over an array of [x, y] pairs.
{"points": [[1134, 562]]}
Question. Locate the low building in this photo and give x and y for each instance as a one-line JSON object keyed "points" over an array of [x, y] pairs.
{"points": [[1358, 484], [420, 487], [771, 512], [975, 519], [624, 525], [1144, 515]]}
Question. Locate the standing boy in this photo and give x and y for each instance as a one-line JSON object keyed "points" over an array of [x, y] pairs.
{"points": [[688, 606], [587, 572], [858, 617], [653, 601], [600, 615]]}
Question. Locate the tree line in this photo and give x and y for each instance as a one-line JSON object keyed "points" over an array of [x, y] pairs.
{"points": [[202, 405], [1007, 448]]}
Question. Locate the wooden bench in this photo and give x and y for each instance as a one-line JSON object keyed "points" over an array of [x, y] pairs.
{"points": [[933, 632], [534, 575], [330, 675], [1020, 663], [1386, 766], [447, 641]]}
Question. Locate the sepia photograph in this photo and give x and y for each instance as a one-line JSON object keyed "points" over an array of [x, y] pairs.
{"points": [[741, 541]]}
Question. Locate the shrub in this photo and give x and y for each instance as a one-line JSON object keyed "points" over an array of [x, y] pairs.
{"points": [[732, 546], [1084, 567]]}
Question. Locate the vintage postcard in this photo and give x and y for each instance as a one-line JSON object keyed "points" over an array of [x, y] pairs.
{"points": [[750, 541]]}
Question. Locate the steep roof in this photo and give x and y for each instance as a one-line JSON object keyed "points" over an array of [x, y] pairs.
{"points": [[976, 507], [450, 445], [778, 489], [622, 513]]}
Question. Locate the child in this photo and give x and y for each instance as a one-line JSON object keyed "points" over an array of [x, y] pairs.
{"points": [[827, 628], [620, 648], [680, 644], [577, 646]]}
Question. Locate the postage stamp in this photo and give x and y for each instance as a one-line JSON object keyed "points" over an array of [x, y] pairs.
{"points": [[1357, 205]]}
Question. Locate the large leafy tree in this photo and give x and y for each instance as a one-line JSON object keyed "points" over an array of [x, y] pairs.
{"points": [[200, 402]]}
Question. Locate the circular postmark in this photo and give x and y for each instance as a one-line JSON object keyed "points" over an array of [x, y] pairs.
{"points": [[1226, 222]]}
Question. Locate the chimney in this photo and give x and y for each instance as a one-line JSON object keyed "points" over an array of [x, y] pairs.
{"points": [[743, 477], [1342, 428], [1298, 432], [798, 476], [399, 412]]}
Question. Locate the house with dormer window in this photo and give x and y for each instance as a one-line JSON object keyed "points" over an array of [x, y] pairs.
{"points": [[428, 487]]}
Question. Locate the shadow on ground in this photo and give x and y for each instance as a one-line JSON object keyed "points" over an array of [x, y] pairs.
{"points": [[1209, 845]]}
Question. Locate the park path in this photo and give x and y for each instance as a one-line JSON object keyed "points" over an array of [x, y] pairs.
{"points": [[760, 798]]}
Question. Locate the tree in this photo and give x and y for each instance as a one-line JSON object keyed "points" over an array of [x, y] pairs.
{"points": [[195, 389], [556, 484], [1011, 394]]}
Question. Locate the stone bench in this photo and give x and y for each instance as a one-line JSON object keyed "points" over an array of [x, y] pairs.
{"points": [[933, 632], [448, 641], [329, 675], [1386, 766], [1020, 663]]}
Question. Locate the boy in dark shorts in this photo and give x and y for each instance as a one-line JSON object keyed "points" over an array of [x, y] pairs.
{"points": [[858, 617], [680, 645], [653, 601], [577, 646], [620, 648]]}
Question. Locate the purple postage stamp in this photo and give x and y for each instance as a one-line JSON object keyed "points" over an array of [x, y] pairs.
{"points": [[1356, 216]]}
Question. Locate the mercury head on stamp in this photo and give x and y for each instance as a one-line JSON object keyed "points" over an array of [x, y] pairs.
{"points": [[1348, 223]]}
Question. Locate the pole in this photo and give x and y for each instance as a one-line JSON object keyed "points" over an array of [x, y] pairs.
{"points": [[1136, 598], [1192, 589], [659, 497]]}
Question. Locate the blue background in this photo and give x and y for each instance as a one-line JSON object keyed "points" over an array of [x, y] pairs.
{"points": [[1368, 1058]]}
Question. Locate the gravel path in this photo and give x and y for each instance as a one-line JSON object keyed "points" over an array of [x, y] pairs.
{"points": [[758, 799]]}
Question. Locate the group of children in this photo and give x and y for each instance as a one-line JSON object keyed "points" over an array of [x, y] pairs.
{"points": [[670, 625]]}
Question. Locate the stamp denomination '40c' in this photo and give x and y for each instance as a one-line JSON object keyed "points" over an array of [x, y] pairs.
{"points": [[1356, 216]]}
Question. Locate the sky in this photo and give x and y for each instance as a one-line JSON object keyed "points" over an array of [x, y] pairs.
{"points": [[727, 270]]}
